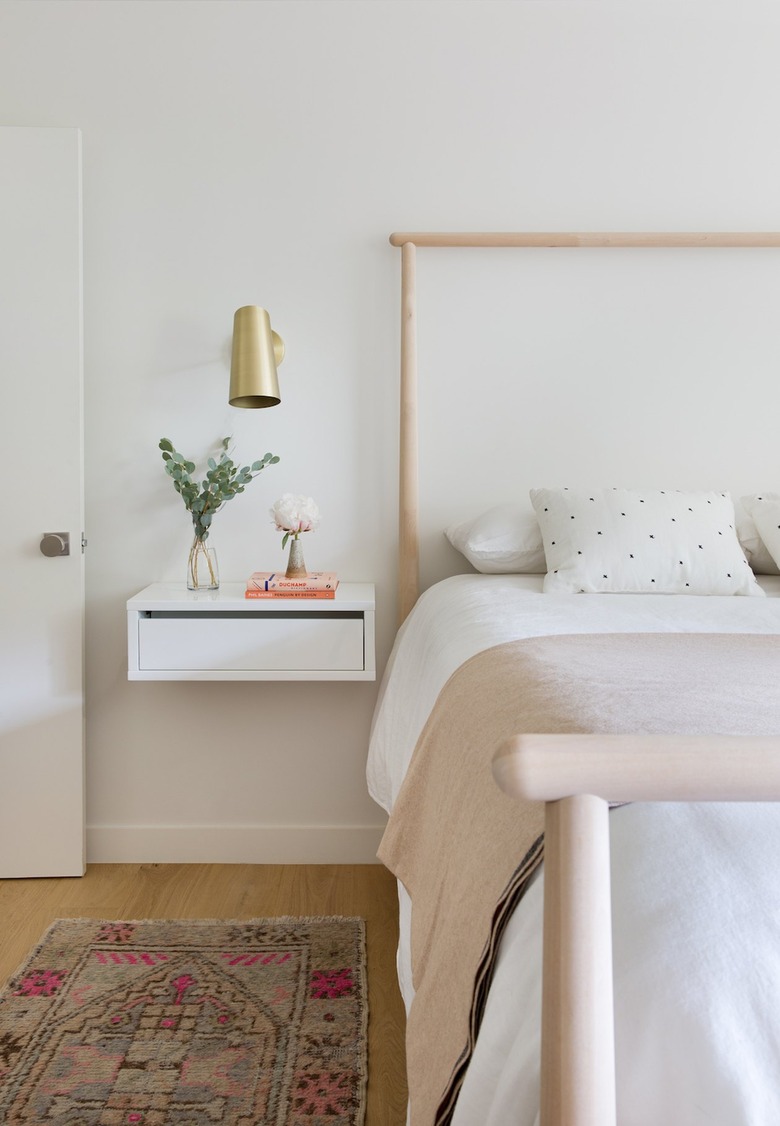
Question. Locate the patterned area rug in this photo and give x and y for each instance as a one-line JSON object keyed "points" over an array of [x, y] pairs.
{"points": [[187, 1023]]}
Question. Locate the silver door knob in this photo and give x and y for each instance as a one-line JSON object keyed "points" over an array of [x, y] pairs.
{"points": [[55, 543]]}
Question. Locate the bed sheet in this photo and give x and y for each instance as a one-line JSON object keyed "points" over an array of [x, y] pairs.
{"points": [[686, 1053]]}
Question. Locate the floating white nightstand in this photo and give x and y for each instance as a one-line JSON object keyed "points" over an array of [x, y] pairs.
{"points": [[178, 634]]}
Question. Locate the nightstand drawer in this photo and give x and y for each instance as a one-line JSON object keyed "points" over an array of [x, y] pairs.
{"points": [[251, 640]]}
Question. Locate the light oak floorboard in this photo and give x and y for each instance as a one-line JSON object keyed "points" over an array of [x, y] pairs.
{"points": [[236, 891]]}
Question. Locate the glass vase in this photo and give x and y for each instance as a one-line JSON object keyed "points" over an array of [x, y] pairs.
{"points": [[202, 569], [296, 568]]}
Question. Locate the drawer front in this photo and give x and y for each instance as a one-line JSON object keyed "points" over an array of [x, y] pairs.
{"points": [[250, 642]]}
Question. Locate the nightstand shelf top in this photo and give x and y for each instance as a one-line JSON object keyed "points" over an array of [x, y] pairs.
{"points": [[230, 596]]}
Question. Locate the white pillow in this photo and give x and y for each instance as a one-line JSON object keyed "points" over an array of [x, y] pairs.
{"points": [[504, 540], [764, 511], [761, 562], [641, 541]]}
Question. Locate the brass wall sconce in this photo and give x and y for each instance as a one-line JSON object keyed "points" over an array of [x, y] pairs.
{"points": [[257, 350]]}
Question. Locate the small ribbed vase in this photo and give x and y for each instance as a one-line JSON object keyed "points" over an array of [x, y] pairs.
{"points": [[296, 568]]}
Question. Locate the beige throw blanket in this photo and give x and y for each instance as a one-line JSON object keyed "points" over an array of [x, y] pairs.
{"points": [[464, 851]]}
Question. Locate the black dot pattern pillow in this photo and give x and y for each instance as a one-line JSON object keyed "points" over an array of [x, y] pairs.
{"points": [[641, 541]]}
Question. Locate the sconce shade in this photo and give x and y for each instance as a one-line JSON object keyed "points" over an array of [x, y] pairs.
{"points": [[257, 350]]}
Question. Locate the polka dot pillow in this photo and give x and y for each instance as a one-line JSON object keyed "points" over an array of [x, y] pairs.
{"points": [[641, 541]]}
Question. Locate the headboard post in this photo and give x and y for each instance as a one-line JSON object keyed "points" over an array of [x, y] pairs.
{"points": [[409, 572]]}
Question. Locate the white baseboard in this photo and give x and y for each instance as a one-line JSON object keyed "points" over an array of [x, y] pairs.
{"points": [[233, 844]]}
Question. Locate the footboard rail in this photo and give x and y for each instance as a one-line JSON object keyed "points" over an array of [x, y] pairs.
{"points": [[577, 776]]}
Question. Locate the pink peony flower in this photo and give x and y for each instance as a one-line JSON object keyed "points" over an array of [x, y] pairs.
{"points": [[294, 514]]}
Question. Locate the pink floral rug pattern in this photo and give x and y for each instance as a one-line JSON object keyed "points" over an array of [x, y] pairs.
{"points": [[187, 1023]]}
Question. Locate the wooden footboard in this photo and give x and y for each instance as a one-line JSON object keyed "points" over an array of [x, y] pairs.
{"points": [[577, 776]]}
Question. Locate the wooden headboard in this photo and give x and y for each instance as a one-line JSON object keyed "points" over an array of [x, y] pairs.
{"points": [[409, 543]]}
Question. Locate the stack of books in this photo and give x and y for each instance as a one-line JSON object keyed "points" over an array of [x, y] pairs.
{"points": [[274, 584]]}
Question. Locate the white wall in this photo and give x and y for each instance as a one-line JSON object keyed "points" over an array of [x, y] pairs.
{"points": [[260, 153]]}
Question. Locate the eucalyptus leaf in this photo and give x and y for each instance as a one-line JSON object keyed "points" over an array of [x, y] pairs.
{"points": [[221, 483]]}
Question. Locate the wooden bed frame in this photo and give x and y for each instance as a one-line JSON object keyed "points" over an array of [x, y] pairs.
{"points": [[577, 776], [408, 535]]}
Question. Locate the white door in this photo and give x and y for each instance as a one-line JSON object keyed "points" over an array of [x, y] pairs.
{"points": [[41, 597]]}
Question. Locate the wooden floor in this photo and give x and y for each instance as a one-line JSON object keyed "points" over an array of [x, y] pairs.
{"points": [[236, 891]]}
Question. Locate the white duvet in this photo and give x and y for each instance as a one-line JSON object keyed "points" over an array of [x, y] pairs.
{"points": [[696, 889]]}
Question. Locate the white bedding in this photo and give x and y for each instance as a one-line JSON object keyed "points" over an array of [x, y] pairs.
{"points": [[688, 1052]]}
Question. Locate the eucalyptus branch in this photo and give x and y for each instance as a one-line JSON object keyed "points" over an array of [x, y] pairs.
{"points": [[222, 481]]}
